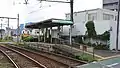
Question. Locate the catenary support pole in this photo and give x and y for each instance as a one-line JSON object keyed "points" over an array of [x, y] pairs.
{"points": [[1, 31], [117, 36], [8, 29], [18, 29], [71, 17]]}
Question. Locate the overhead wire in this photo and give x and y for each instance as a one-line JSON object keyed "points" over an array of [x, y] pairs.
{"points": [[40, 4], [43, 7]]}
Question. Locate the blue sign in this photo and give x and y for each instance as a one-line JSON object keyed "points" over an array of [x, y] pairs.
{"points": [[21, 28]]}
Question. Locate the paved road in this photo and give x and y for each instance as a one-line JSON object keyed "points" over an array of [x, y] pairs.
{"points": [[106, 53], [117, 66], [109, 63]]}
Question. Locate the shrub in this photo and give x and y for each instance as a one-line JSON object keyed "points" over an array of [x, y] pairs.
{"points": [[94, 45], [89, 44], [27, 39], [85, 57], [8, 38], [102, 47]]}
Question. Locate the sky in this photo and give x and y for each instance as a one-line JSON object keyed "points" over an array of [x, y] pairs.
{"points": [[33, 13]]}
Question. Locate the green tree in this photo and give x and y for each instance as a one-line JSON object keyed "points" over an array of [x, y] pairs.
{"points": [[106, 35], [90, 29]]}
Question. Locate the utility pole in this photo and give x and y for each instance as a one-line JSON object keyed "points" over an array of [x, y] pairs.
{"points": [[71, 10], [71, 17], [18, 29], [117, 36], [8, 26], [1, 31]]}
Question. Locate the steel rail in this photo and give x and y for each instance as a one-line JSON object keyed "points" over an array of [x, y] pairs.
{"points": [[41, 65], [82, 62], [47, 57], [16, 66]]}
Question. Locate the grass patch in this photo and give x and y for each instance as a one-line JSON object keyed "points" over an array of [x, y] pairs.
{"points": [[5, 40], [86, 57]]}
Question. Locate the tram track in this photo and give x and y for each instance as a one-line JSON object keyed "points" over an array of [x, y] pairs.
{"points": [[19, 59], [58, 58], [6, 61]]}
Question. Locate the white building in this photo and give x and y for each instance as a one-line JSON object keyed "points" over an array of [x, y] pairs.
{"points": [[101, 18], [104, 20]]}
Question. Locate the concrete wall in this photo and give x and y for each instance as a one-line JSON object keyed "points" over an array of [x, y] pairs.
{"points": [[80, 28], [96, 41], [113, 36]]}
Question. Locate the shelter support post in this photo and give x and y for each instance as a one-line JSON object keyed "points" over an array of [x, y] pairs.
{"points": [[39, 36], [70, 32], [62, 29], [42, 38], [59, 34], [51, 34], [44, 34], [58, 31]]}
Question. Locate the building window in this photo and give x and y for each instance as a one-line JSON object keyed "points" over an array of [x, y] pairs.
{"points": [[75, 14], [38, 32], [108, 17], [92, 16], [28, 32], [67, 17]]}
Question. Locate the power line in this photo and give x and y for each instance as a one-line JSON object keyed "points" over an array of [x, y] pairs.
{"points": [[55, 1], [48, 6], [34, 5]]}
